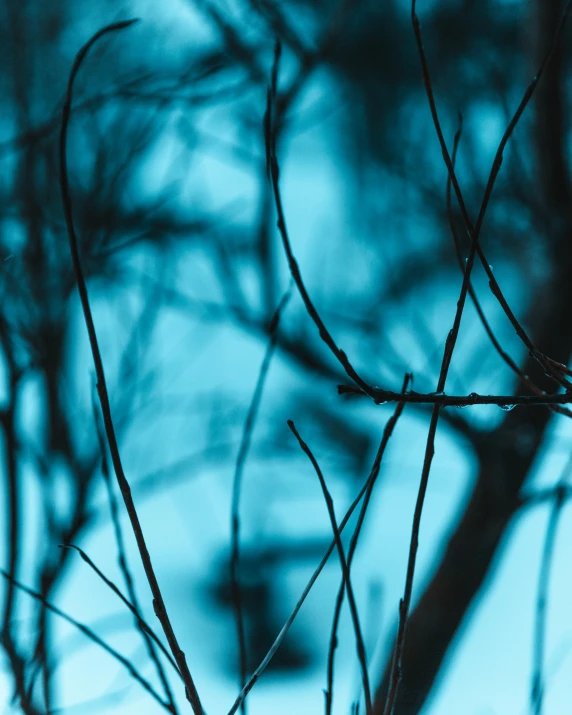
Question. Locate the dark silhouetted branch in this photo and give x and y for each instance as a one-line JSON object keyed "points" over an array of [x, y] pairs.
{"points": [[133, 602], [112, 586], [480, 312], [344, 566], [158, 602], [381, 397], [405, 603], [286, 627], [374, 473], [270, 128], [497, 162], [93, 637]]}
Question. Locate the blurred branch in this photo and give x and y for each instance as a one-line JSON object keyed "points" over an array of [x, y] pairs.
{"points": [[13, 509], [538, 686]]}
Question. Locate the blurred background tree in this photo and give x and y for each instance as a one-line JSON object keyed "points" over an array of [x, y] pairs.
{"points": [[185, 267]]}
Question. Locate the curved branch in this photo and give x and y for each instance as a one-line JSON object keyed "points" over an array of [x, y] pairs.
{"points": [[158, 602]]}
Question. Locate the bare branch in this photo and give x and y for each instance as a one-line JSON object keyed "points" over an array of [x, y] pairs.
{"points": [[92, 636], [474, 232], [381, 397], [280, 637], [270, 127], [109, 583], [497, 162], [158, 603], [525, 379], [124, 567], [344, 565], [374, 473]]}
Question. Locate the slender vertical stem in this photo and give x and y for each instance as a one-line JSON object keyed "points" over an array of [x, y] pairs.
{"points": [[344, 566], [236, 492], [158, 602]]}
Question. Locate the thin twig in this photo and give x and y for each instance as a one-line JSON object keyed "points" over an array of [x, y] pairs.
{"points": [[237, 485], [270, 128], [525, 379], [373, 475], [344, 566], [109, 583], [559, 366], [405, 603], [380, 397], [92, 636], [291, 618], [528, 94], [133, 601], [158, 603]]}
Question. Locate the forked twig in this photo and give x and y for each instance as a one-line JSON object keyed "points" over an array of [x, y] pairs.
{"points": [[374, 473], [545, 363], [158, 602], [286, 627], [109, 583], [474, 232], [344, 566], [525, 379], [92, 636]]}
